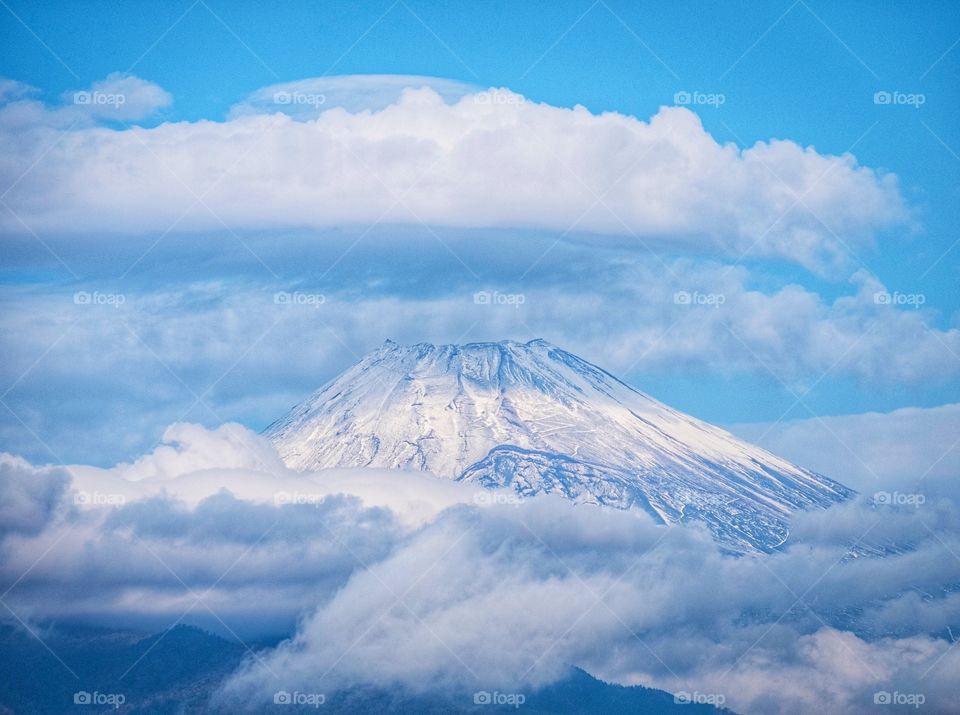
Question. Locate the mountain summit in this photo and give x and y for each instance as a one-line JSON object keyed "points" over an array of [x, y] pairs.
{"points": [[537, 419]]}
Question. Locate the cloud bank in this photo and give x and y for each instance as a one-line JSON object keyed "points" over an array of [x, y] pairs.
{"points": [[117, 99], [405, 581], [250, 358], [487, 159], [308, 98], [872, 451]]}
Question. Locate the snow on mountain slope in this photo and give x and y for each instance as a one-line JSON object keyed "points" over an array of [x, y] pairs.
{"points": [[537, 419]]}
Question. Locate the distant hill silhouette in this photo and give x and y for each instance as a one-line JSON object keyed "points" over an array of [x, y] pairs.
{"points": [[178, 670]]}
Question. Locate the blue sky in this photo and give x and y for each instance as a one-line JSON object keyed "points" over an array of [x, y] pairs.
{"points": [[196, 320]]}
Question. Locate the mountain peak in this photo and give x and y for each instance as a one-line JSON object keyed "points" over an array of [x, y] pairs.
{"points": [[479, 346], [537, 419]]}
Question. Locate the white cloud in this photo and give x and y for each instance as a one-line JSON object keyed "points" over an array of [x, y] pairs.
{"points": [[504, 596], [26, 119], [873, 451], [190, 448], [198, 507], [120, 97], [509, 599], [490, 159], [307, 98], [28, 497], [11, 90], [191, 463], [201, 330]]}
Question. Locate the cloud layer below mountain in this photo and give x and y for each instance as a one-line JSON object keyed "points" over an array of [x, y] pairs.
{"points": [[403, 580]]}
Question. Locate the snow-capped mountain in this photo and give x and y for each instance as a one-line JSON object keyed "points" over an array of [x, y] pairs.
{"points": [[532, 417]]}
